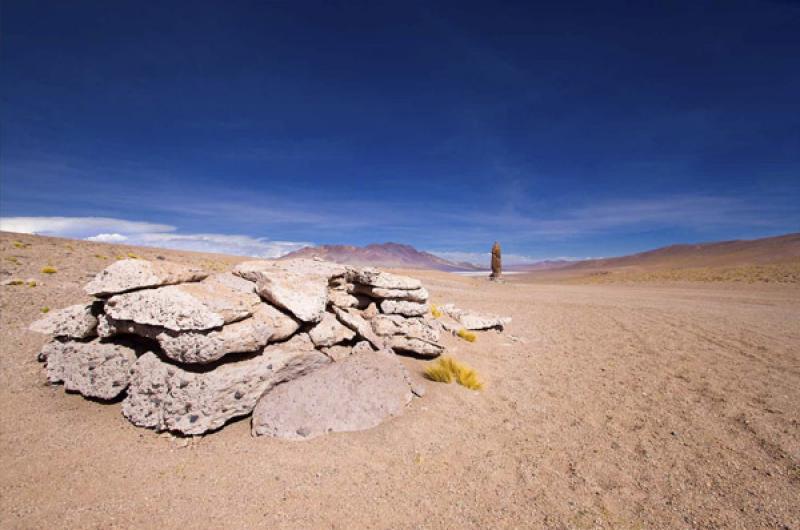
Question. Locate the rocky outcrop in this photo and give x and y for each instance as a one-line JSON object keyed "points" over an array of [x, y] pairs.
{"points": [[354, 394], [131, 274], [311, 342], [75, 322]]}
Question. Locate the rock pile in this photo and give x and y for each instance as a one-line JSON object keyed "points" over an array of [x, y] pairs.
{"points": [[308, 345]]}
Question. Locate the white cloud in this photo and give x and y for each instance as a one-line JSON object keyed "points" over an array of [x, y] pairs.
{"points": [[79, 227], [108, 238], [110, 230], [238, 245]]}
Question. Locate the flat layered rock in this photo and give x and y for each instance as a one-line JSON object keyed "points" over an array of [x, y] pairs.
{"points": [[413, 295], [76, 322], [303, 296], [131, 274], [354, 394], [475, 321], [388, 325], [385, 280], [424, 348], [363, 329], [342, 298], [330, 331], [196, 306], [403, 307], [252, 270], [94, 369], [166, 397]]}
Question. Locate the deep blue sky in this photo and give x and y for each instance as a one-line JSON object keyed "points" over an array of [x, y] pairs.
{"points": [[590, 129]]}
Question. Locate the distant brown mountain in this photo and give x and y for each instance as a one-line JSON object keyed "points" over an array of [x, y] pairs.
{"points": [[389, 255], [741, 252]]}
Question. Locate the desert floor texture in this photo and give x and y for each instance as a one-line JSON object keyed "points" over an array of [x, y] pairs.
{"points": [[606, 406]]}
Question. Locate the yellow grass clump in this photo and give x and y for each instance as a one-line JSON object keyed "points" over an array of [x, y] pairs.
{"points": [[45, 310], [467, 335], [131, 255], [447, 369], [32, 283], [16, 282], [49, 270], [100, 256], [20, 244], [435, 311]]}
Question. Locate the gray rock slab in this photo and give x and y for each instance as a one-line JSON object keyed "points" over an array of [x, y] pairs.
{"points": [[131, 274], [386, 280], [166, 397], [413, 295], [330, 331], [403, 307], [354, 394], [76, 322], [94, 369], [362, 327]]}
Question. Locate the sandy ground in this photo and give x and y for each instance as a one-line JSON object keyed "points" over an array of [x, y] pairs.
{"points": [[619, 407]]}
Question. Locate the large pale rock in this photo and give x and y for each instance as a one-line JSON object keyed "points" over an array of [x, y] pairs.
{"points": [[421, 347], [413, 295], [194, 306], [354, 394], [330, 331], [341, 298], [303, 296], [95, 369], [283, 326], [385, 280], [166, 397], [414, 335], [475, 321], [387, 325], [253, 270], [403, 307], [76, 322], [363, 329], [130, 274]]}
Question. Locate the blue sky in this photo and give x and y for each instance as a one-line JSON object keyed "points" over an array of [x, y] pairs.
{"points": [[592, 129]]}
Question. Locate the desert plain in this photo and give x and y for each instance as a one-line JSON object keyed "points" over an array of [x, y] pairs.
{"points": [[647, 404]]}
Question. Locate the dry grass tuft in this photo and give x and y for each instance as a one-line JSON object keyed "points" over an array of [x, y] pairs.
{"points": [[100, 256], [45, 310], [436, 312], [16, 282], [131, 255], [20, 244], [32, 283], [467, 335], [49, 270], [446, 369]]}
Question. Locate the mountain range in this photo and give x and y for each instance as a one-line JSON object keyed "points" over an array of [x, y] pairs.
{"points": [[389, 255]]}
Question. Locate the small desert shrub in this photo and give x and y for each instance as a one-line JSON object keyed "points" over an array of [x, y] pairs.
{"points": [[49, 270], [31, 283], [100, 256], [13, 260], [16, 282], [446, 369], [467, 335], [131, 255], [45, 310], [119, 257], [435, 311], [20, 244]]}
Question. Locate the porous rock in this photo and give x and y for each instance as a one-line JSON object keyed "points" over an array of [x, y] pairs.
{"points": [[330, 331], [413, 295], [130, 274], [385, 280], [303, 296], [403, 307], [95, 369], [196, 306], [354, 394], [254, 270], [475, 321], [166, 397], [76, 322], [363, 329]]}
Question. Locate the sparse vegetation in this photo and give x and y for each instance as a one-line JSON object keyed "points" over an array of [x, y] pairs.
{"points": [[16, 282], [119, 257], [32, 283], [447, 369], [436, 312], [49, 269], [100, 256], [467, 335], [12, 259], [45, 310], [773, 273], [131, 255], [20, 244]]}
